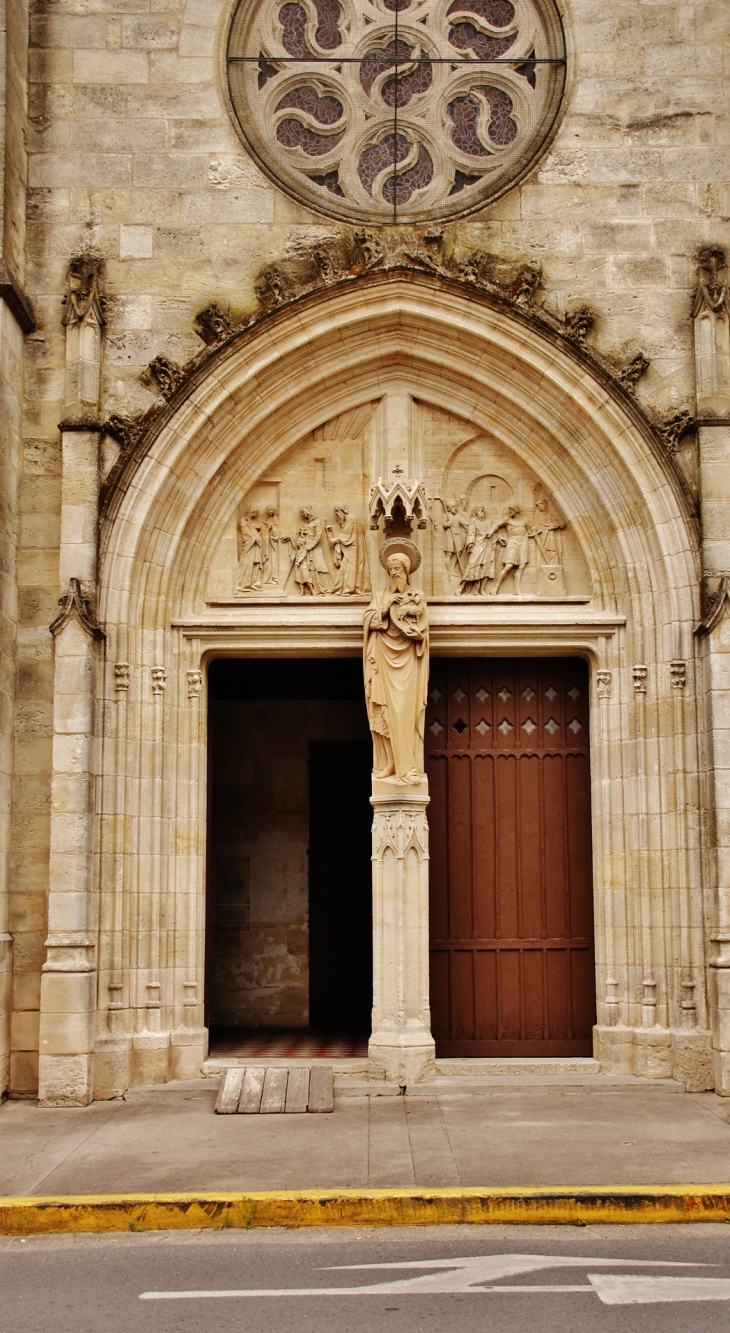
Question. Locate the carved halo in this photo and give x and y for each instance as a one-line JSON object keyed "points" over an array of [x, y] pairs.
{"points": [[400, 546]]}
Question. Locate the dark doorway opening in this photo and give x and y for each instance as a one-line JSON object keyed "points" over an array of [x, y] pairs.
{"points": [[340, 886], [289, 937], [511, 889]]}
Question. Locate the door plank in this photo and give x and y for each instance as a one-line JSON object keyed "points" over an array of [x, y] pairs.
{"points": [[273, 1097], [297, 1090], [229, 1092], [321, 1089], [253, 1083], [511, 889]]}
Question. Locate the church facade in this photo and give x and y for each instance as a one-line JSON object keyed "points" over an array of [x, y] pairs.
{"points": [[365, 370]]}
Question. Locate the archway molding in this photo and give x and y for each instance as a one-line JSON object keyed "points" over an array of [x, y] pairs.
{"points": [[591, 448]]}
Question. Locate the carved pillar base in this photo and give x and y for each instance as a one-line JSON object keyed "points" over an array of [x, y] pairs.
{"points": [[150, 1057], [188, 1051], [68, 994], [401, 1048], [720, 1001], [692, 1062], [112, 1066]]}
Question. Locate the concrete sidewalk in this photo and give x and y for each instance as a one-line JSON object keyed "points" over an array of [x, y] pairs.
{"points": [[538, 1132]]}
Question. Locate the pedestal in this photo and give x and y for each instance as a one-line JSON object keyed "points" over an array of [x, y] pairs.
{"points": [[401, 1048]]}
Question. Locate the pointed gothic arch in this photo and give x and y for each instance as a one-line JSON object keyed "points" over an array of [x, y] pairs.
{"points": [[588, 444]]}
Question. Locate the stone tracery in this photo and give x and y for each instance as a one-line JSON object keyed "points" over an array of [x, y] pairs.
{"points": [[400, 109]]}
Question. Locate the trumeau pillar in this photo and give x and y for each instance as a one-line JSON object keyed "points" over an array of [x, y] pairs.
{"points": [[68, 982], [712, 353], [401, 1048]]}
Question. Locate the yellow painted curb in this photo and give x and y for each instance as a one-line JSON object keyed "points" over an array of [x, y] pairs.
{"points": [[358, 1207]]}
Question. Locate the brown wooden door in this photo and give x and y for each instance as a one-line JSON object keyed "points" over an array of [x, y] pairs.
{"points": [[512, 963]]}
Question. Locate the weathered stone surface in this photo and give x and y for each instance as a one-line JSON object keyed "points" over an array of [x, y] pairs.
{"points": [[131, 158]]}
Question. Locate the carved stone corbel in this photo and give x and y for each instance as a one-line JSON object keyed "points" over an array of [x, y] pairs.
{"points": [[715, 600], [630, 374], [578, 323], [213, 324], [528, 281], [74, 603], [125, 430], [673, 428], [167, 375]]}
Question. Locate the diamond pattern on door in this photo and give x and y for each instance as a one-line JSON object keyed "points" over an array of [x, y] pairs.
{"points": [[512, 959]]}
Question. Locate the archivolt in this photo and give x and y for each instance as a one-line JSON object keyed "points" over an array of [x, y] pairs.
{"points": [[329, 352]]}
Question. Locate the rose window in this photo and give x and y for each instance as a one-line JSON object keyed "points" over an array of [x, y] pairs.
{"points": [[395, 110]]}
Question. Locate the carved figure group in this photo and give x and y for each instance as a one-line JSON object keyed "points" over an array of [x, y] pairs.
{"points": [[258, 550], [311, 574], [259, 554], [480, 555]]}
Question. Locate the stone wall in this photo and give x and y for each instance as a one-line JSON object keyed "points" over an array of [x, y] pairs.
{"points": [[13, 111], [133, 156]]}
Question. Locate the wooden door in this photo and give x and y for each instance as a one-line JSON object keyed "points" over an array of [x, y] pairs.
{"points": [[340, 886], [512, 960]]}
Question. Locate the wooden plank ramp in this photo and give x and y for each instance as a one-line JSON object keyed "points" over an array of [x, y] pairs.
{"points": [[273, 1097], [269, 1090], [322, 1088], [297, 1090], [229, 1092], [253, 1086]]}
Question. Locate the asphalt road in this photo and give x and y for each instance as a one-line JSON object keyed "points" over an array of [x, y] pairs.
{"points": [[560, 1279]]}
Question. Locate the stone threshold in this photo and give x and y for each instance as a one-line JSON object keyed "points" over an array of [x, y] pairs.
{"points": [[347, 1065], [463, 1076], [454, 1086]]}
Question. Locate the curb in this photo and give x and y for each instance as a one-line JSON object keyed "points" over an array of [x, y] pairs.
{"points": [[357, 1207]]}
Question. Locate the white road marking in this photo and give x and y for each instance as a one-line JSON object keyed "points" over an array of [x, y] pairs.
{"points": [[615, 1289], [471, 1274]]}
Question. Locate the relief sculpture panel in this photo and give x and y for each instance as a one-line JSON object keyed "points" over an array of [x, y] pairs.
{"points": [[301, 531], [495, 531], [485, 525]]}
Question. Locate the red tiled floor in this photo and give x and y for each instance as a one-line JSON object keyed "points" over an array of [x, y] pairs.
{"points": [[282, 1044]]}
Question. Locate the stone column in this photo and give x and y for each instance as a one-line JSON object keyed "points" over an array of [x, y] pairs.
{"points": [[68, 981], [712, 355], [401, 1048]]}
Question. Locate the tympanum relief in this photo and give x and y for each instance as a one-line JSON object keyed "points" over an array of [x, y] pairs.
{"points": [[485, 526], [480, 554]]}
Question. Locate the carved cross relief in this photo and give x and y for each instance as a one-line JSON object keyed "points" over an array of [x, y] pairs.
{"points": [[485, 525]]}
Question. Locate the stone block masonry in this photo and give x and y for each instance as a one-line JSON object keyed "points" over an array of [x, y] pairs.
{"points": [[132, 157]]}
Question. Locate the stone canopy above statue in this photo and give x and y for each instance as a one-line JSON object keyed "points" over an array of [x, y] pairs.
{"points": [[486, 526]]}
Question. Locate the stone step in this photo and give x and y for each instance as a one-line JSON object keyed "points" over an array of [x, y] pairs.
{"points": [[524, 1067], [453, 1086], [357, 1065]]}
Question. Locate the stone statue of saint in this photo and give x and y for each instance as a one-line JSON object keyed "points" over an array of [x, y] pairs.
{"points": [[396, 667], [249, 552], [350, 554], [480, 550], [270, 535], [546, 530], [454, 529], [516, 545]]}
